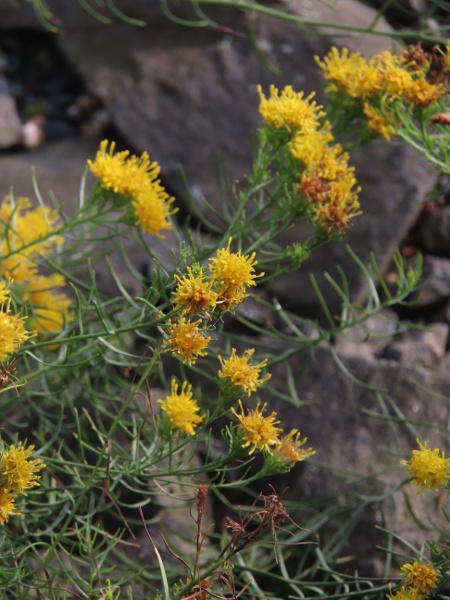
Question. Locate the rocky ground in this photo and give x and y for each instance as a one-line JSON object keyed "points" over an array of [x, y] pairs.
{"points": [[184, 94]]}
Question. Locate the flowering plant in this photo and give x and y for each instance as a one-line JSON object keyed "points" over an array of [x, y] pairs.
{"points": [[130, 388]]}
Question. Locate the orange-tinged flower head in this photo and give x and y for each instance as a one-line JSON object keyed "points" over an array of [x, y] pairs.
{"points": [[241, 373], [289, 449], [231, 273], [181, 408], [421, 576], [7, 507], [186, 340], [290, 110], [194, 293], [428, 468], [17, 472], [258, 432]]}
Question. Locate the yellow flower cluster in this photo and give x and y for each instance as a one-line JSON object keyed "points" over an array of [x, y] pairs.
{"points": [[12, 329], [260, 433], [328, 183], [135, 178], [289, 110], [238, 371], [428, 468], [27, 235], [225, 289], [385, 78], [420, 579], [17, 474], [181, 408]]}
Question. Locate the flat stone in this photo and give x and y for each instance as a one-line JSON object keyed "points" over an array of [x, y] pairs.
{"points": [[432, 232], [359, 436], [422, 348], [436, 284]]}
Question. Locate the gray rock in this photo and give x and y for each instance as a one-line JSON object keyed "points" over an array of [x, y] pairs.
{"points": [[436, 283], [10, 125], [360, 435], [433, 232], [422, 348]]}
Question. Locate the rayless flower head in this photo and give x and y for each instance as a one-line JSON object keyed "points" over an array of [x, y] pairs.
{"points": [[404, 593], [258, 432], [152, 208], [136, 178], [289, 448], [4, 291], [27, 234], [181, 408], [377, 123], [186, 340], [50, 310], [350, 74], [241, 373], [7, 507], [17, 472], [232, 273], [428, 468], [12, 332], [120, 172], [421, 576], [329, 185], [194, 294], [290, 110]]}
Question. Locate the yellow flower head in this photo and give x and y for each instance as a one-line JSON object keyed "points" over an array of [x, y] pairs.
{"points": [[193, 294], [423, 93], [152, 208], [428, 468], [289, 110], [17, 472], [27, 235], [120, 172], [231, 273], [7, 507], [377, 123], [289, 449], [350, 74], [12, 332], [181, 408], [241, 373], [50, 310], [311, 147], [421, 576], [257, 431], [405, 593], [137, 178], [4, 291], [186, 340]]}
